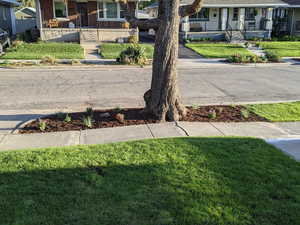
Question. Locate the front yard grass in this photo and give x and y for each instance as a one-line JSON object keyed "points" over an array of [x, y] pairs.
{"points": [[278, 112], [218, 50], [186, 181], [42, 49], [113, 50], [283, 49]]}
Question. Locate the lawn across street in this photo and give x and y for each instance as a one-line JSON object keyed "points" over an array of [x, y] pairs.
{"points": [[42, 49], [113, 50], [186, 181], [283, 48], [218, 50]]}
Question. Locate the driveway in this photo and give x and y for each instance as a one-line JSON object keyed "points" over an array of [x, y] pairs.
{"points": [[27, 93]]}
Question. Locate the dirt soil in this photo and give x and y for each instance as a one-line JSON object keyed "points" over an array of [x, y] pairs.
{"points": [[136, 116]]}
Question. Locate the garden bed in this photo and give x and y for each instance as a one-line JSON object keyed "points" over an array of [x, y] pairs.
{"points": [[135, 116]]}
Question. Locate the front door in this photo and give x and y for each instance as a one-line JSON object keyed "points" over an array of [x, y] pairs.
{"points": [[83, 14]]}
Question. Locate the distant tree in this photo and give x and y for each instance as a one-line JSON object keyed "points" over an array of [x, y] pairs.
{"points": [[26, 3], [163, 99]]}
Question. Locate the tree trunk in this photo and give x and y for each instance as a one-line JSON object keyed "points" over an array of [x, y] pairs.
{"points": [[163, 99]]}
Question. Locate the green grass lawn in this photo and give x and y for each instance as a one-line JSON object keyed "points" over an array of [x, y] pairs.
{"points": [[113, 50], [41, 49], [283, 49], [184, 181], [217, 50], [278, 112]]}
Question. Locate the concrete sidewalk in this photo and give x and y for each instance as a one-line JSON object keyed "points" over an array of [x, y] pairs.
{"points": [[282, 135]]}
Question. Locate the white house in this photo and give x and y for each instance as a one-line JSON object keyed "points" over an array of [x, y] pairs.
{"points": [[240, 19]]}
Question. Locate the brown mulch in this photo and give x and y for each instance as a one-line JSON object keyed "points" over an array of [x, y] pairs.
{"points": [[136, 116]]}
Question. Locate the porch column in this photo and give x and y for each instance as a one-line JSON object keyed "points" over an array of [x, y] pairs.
{"points": [[38, 17], [13, 21], [185, 27], [269, 21], [224, 16], [241, 19]]}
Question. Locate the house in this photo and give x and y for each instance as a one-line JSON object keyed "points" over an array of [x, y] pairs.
{"points": [[235, 20], [7, 15], [83, 20], [25, 19]]}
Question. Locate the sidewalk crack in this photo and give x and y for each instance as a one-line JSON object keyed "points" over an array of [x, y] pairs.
{"points": [[2, 139], [180, 127], [150, 130], [218, 129]]}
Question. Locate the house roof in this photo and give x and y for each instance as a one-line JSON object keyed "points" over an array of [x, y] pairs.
{"points": [[241, 3], [27, 10], [9, 2]]}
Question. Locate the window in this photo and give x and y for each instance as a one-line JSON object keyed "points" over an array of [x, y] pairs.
{"points": [[110, 11], [60, 9], [250, 13], [235, 14], [203, 15]]}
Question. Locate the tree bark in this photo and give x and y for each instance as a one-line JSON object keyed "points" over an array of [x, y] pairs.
{"points": [[163, 99]]}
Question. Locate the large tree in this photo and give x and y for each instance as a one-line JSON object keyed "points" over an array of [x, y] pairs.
{"points": [[163, 99]]}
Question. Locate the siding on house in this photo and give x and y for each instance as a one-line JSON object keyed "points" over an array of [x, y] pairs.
{"points": [[5, 23]]}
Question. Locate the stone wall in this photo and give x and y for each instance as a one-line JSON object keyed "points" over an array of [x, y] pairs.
{"points": [[86, 35]]}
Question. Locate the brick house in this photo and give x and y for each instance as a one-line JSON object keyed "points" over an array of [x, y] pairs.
{"points": [[83, 20]]}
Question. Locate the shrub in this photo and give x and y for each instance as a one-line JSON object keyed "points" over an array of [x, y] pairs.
{"points": [[68, 118], [212, 114], [238, 58], [134, 54], [245, 113], [273, 57], [87, 121], [133, 39], [42, 125], [49, 60]]}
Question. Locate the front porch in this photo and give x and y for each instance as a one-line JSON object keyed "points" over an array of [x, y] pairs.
{"points": [[218, 23], [83, 20]]}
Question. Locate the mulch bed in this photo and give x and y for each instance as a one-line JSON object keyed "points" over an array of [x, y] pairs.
{"points": [[136, 116]]}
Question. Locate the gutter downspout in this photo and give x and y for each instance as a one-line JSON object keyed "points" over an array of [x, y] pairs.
{"points": [[292, 23]]}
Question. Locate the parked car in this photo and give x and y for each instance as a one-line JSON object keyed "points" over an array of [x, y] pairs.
{"points": [[4, 40]]}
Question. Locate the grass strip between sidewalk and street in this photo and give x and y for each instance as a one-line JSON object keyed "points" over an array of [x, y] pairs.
{"points": [[186, 181], [41, 49], [218, 50], [282, 48], [277, 112], [113, 50]]}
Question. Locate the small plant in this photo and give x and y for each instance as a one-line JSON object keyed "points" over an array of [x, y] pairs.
{"points": [[49, 60], [212, 114], [68, 118], [89, 111], [87, 121], [245, 113], [195, 106], [42, 125], [134, 54]]}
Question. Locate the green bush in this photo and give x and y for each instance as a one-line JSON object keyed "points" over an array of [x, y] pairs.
{"points": [[273, 57], [198, 40], [238, 58], [134, 54], [286, 38]]}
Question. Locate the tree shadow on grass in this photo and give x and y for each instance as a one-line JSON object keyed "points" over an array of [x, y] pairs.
{"points": [[196, 181]]}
